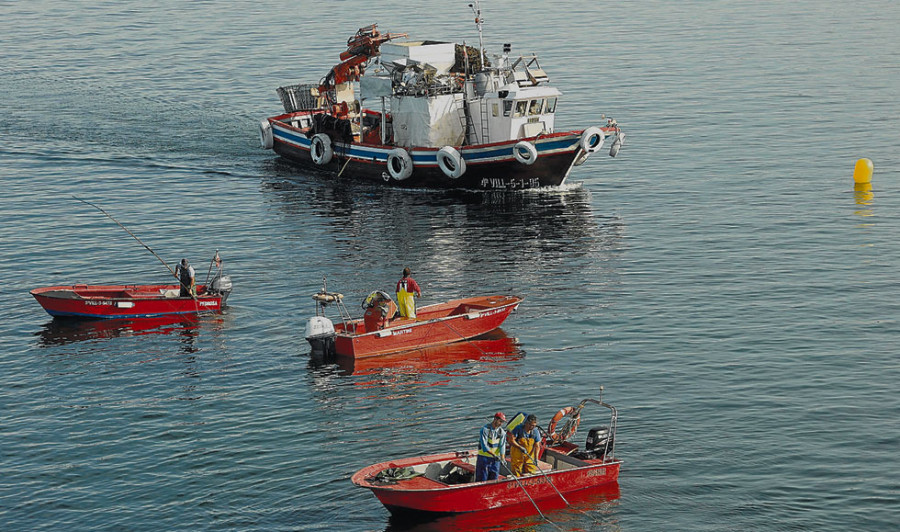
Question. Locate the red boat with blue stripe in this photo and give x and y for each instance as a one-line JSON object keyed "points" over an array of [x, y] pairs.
{"points": [[433, 115]]}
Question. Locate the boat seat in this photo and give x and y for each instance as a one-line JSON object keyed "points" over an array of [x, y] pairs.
{"points": [[433, 471]]}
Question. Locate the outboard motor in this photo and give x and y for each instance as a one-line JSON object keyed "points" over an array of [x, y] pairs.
{"points": [[599, 441], [220, 284], [320, 331], [320, 335]]}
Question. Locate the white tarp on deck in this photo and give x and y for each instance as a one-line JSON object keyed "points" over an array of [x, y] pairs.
{"points": [[434, 121]]}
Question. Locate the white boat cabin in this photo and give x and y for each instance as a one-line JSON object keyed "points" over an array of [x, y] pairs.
{"points": [[432, 106]]}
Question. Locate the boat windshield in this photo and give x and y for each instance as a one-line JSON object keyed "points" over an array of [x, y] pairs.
{"points": [[521, 107], [551, 105]]}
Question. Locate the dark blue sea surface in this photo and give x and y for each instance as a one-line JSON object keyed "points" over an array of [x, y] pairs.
{"points": [[721, 278]]}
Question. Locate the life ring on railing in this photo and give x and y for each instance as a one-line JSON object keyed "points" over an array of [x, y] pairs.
{"points": [[265, 134], [399, 164], [320, 149], [592, 139], [525, 152], [451, 162], [570, 426]]}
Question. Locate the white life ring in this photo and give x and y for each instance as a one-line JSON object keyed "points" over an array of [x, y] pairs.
{"points": [[451, 162], [525, 152], [592, 139], [399, 164], [320, 149], [265, 134]]}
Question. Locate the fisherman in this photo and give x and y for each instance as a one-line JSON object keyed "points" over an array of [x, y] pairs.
{"points": [[491, 449], [185, 274], [524, 441], [406, 287]]}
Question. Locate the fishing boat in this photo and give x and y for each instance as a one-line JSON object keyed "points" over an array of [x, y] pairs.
{"points": [[134, 301], [424, 113], [382, 330], [438, 484]]}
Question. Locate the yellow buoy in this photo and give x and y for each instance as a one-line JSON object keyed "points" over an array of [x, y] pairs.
{"points": [[863, 171]]}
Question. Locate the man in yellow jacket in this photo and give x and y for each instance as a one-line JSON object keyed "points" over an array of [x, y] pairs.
{"points": [[525, 445]]}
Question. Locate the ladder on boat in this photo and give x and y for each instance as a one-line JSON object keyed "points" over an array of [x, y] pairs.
{"points": [[485, 133], [471, 132]]}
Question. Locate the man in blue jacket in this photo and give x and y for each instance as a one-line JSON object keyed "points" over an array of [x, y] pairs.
{"points": [[491, 449]]}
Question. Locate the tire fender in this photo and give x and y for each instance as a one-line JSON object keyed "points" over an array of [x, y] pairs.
{"points": [[451, 162], [525, 152], [265, 134], [320, 149], [399, 164]]}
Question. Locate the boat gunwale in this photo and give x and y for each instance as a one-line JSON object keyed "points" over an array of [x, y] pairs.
{"points": [[355, 322]]}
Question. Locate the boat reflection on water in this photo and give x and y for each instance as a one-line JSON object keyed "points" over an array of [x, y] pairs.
{"points": [[495, 346], [460, 227], [587, 509], [62, 331]]}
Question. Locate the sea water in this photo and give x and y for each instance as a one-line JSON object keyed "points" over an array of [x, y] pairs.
{"points": [[721, 278]]}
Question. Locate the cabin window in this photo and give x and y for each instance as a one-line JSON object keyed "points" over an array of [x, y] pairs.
{"points": [[521, 108], [551, 105], [496, 109], [534, 108], [507, 107]]}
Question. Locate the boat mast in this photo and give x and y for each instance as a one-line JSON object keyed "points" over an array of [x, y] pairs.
{"points": [[476, 8]]}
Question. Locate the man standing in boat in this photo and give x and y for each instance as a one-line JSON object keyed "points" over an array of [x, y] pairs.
{"points": [[525, 442], [185, 274], [491, 449], [406, 288]]}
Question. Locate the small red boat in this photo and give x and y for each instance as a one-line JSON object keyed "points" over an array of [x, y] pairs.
{"points": [[380, 331], [132, 301], [440, 484]]}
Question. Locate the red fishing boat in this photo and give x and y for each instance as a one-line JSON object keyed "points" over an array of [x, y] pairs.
{"points": [[134, 301], [381, 330], [444, 483]]}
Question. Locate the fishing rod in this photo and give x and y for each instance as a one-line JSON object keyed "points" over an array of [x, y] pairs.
{"points": [[528, 495], [136, 238]]}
